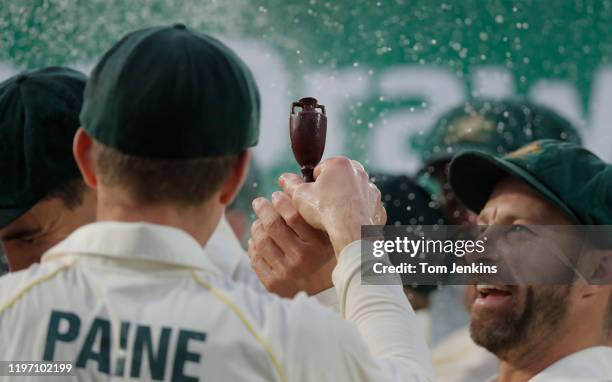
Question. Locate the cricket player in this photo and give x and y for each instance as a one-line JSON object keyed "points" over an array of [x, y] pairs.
{"points": [[43, 198], [496, 127], [543, 332], [168, 117]]}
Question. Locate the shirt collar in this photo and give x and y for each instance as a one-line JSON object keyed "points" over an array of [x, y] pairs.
{"points": [[589, 364], [592, 364], [224, 249], [134, 241]]}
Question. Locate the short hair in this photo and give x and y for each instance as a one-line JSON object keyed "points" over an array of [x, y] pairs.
{"points": [[71, 193], [150, 181]]}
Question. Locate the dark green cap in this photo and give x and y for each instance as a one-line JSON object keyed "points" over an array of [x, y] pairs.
{"points": [[171, 93], [567, 175], [39, 115], [493, 126]]}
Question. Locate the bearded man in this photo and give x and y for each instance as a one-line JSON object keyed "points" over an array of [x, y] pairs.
{"points": [[540, 331]]}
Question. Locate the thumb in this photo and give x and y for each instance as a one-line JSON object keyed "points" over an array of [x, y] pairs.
{"points": [[290, 183], [302, 197]]}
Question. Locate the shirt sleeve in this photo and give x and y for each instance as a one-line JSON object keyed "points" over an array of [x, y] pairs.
{"points": [[377, 338], [328, 298]]}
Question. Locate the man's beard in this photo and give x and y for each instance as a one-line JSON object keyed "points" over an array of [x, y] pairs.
{"points": [[525, 328]]}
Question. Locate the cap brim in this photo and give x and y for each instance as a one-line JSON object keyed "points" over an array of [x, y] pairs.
{"points": [[8, 215], [455, 150], [474, 175]]}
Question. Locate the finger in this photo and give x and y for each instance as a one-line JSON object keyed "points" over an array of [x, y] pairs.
{"points": [[376, 191], [284, 206], [258, 258], [301, 194], [263, 270], [290, 182], [267, 215], [250, 252], [276, 228], [358, 166], [257, 202], [381, 215], [266, 273], [272, 254], [254, 228]]}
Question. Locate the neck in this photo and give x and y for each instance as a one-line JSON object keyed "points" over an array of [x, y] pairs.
{"points": [[198, 221], [510, 371]]}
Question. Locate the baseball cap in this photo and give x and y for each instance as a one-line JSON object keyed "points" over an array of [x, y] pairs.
{"points": [[39, 116], [493, 126], [567, 175], [172, 93]]}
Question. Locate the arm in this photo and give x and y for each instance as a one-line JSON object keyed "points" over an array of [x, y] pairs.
{"points": [[377, 338], [384, 318], [389, 345]]}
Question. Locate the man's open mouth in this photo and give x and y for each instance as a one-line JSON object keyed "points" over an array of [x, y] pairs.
{"points": [[492, 296]]}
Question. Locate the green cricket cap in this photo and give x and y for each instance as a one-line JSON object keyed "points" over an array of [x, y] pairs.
{"points": [[172, 93], [39, 116], [567, 175], [493, 126]]}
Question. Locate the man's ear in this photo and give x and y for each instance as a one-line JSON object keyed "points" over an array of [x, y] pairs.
{"points": [[602, 274], [81, 149], [235, 179], [599, 274]]}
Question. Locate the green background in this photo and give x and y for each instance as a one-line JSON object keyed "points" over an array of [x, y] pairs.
{"points": [[533, 40]]}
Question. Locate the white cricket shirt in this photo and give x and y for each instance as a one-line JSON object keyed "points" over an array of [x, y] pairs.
{"points": [[135, 301], [225, 252], [588, 365]]}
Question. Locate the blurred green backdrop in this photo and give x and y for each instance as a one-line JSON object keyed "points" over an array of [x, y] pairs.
{"points": [[384, 69]]}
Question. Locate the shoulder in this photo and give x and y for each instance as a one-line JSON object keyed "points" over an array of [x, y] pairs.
{"points": [[268, 311], [16, 286]]}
